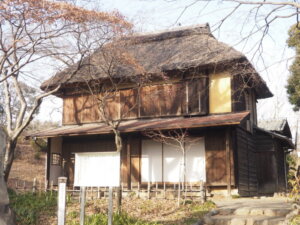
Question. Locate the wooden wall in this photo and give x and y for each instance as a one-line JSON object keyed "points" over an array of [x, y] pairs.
{"points": [[281, 166], [177, 99], [215, 155], [246, 163], [216, 161]]}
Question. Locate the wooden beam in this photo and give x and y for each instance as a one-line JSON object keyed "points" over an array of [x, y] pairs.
{"points": [[228, 163], [128, 147], [48, 159]]}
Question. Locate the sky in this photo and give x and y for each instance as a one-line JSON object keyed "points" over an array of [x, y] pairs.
{"points": [[272, 63]]}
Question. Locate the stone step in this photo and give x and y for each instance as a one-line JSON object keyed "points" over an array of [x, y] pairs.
{"points": [[244, 220], [260, 211]]}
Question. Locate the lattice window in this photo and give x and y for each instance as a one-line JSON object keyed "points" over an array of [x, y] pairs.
{"points": [[56, 159]]}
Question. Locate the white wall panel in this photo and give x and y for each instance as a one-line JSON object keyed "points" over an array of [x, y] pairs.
{"points": [[195, 161], [173, 163], [97, 169], [151, 161]]}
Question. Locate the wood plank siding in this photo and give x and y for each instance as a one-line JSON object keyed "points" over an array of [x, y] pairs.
{"points": [[218, 166], [176, 99], [246, 161]]}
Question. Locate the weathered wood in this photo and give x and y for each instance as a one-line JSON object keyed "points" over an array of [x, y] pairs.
{"points": [[228, 161], [246, 159], [128, 160], [215, 155], [129, 103]]}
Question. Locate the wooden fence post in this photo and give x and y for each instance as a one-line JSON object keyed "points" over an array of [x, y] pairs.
{"points": [[110, 206], [34, 185], [82, 204], [61, 211], [202, 192]]}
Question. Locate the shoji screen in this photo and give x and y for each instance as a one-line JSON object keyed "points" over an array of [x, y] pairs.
{"points": [[173, 163], [151, 161], [195, 161]]}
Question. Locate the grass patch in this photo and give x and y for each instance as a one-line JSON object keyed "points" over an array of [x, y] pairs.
{"points": [[141, 212], [29, 206]]}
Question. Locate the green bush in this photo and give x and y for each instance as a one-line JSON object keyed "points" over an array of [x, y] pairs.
{"points": [[29, 206]]}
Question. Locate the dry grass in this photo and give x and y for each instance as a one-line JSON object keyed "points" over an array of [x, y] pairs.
{"points": [[159, 211], [26, 167]]}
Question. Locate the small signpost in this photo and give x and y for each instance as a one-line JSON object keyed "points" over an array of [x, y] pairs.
{"points": [[97, 169], [61, 209]]}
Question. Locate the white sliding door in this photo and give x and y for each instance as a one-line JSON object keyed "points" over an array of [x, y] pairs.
{"points": [[195, 161], [173, 163], [164, 162], [151, 161]]}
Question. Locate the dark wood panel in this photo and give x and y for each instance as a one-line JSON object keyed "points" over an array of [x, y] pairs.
{"points": [[215, 157], [246, 161], [238, 95]]}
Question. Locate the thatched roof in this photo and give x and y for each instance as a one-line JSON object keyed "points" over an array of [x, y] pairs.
{"points": [[175, 50], [280, 126]]}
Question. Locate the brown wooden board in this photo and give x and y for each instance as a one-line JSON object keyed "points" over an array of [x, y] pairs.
{"points": [[215, 155], [198, 96], [68, 110], [135, 159], [129, 103]]}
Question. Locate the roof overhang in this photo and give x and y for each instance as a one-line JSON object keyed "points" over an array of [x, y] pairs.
{"points": [[283, 138], [228, 119]]}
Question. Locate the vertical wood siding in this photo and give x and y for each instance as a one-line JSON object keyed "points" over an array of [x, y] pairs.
{"points": [[215, 153], [152, 101], [247, 168]]}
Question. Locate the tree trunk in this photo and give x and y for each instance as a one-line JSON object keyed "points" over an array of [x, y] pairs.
{"points": [[9, 158], [6, 215], [119, 146]]}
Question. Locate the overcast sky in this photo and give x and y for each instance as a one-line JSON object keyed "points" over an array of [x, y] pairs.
{"points": [[155, 15]]}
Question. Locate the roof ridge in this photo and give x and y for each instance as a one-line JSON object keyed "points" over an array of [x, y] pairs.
{"points": [[171, 33]]}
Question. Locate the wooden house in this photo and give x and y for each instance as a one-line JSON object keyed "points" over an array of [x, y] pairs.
{"points": [[197, 83]]}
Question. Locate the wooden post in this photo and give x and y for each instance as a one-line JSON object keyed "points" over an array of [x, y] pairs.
{"points": [[51, 186], [128, 160], [156, 189], [228, 162], [202, 192], [179, 192], [164, 190], [148, 190], [110, 206], [98, 193], [34, 185], [61, 211], [46, 185], [82, 204], [138, 194]]}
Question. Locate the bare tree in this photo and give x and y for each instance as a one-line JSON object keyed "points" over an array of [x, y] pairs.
{"points": [[180, 140], [32, 32]]}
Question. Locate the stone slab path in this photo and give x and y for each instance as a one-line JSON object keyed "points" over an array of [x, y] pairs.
{"points": [[247, 211]]}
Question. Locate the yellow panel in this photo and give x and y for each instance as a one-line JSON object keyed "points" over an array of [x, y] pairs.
{"points": [[220, 93]]}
